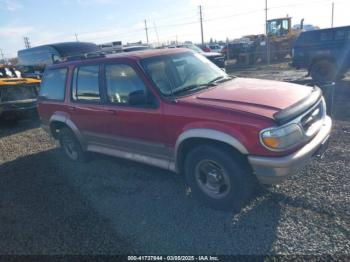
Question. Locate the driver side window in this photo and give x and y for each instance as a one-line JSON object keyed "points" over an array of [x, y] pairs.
{"points": [[124, 86]]}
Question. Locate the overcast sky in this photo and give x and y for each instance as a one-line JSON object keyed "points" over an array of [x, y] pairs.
{"points": [[102, 21]]}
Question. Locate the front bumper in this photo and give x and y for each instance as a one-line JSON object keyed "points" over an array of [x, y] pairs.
{"points": [[273, 170]]}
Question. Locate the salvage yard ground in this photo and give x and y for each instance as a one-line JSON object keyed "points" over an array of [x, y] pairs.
{"points": [[49, 205]]}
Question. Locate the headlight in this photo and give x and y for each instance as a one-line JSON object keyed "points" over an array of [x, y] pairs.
{"points": [[282, 138]]}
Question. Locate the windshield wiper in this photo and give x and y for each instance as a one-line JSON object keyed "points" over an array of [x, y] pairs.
{"points": [[194, 87], [211, 83], [220, 79]]}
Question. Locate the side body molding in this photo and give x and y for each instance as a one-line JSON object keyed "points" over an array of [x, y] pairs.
{"points": [[64, 119], [208, 134]]}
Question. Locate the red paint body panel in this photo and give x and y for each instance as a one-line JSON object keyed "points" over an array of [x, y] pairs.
{"points": [[240, 108], [261, 97]]}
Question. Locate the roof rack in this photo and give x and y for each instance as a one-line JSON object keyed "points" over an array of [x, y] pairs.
{"points": [[81, 57]]}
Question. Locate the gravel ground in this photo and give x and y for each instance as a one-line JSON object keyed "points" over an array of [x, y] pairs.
{"points": [[49, 205]]}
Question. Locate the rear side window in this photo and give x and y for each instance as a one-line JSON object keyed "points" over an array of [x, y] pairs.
{"points": [[53, 85], [86, 84]]}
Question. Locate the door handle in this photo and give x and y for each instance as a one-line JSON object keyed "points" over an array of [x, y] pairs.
{"points": [[72, 108]]}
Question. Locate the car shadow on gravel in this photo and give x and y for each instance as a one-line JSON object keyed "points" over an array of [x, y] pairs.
{"points": [[49, 205], [41, 212], [8, 127]]}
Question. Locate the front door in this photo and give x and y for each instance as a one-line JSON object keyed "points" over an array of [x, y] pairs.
{"points": [[135, 119]]}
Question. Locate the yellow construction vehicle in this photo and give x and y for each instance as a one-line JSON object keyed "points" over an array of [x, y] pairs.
{"points": [[17, 95], [278, 43], [281, 37]]}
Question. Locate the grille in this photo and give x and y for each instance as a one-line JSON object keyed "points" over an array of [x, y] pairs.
{"points": [[313, 117]]}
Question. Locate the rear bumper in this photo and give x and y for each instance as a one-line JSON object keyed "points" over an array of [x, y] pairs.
{"points": [[273, 170]]}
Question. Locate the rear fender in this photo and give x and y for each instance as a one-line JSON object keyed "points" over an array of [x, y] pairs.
{"points": [[61, 117]]}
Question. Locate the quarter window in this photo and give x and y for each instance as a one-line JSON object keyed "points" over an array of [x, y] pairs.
{"points": [[124, 86], [54, 84], [86, 84]]}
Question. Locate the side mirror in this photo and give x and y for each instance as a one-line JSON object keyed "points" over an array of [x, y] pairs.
{"points": [[137, 98]]}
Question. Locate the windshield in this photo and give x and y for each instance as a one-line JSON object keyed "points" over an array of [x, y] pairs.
{"points": [[278, 27], [180, 73]]}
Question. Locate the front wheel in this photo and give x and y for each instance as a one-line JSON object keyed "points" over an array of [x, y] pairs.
{"points": [[219, 178]]}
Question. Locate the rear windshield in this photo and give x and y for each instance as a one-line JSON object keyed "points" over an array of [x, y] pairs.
{"points": [[54, 84]]}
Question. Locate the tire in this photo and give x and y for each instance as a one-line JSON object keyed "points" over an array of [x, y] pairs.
{"points": [[218, 178], [324, 71], [71, 146]]}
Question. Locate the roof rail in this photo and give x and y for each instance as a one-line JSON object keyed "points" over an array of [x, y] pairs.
{"points": [[80, 57]]}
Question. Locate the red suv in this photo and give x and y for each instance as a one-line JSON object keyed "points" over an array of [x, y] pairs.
{"points": [[174, 109]]}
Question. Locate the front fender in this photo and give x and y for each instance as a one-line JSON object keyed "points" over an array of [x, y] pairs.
{"points": [[211, 134]]}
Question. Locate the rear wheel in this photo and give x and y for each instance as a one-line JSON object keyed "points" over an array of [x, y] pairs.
{"points": [[71, 145], [218, 178], [324, 71]]}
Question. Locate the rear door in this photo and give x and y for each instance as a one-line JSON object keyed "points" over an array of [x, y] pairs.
{"points": [[86, 108]]}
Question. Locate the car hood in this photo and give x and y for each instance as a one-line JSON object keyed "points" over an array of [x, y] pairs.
{"points": [[256, 96]]}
